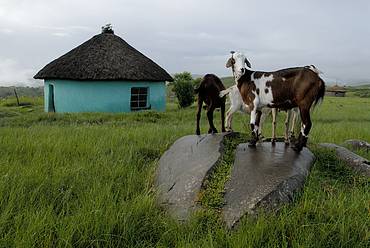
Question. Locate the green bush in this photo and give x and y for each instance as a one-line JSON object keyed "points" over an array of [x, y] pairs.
{"points": [[196, 82], [183, 88], [362, 93]]}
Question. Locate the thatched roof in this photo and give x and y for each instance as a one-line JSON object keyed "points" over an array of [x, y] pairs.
{"points": [[336, 88], [104, 57]]}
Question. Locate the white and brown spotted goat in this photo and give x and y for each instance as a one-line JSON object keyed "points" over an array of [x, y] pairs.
{"points": [[237, 104], [284, 89]]}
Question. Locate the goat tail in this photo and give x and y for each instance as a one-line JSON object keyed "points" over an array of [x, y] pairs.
{"points": [[321, 93], [224, 92]]}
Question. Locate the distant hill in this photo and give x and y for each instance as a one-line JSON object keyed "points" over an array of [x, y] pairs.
{"points": [[362, 86], [21, 91]]}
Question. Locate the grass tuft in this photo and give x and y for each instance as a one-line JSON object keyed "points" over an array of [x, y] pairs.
{"points": [[212, 195]]}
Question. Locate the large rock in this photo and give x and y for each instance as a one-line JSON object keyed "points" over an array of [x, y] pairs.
{"points": [[266, 175], [182, 170]]}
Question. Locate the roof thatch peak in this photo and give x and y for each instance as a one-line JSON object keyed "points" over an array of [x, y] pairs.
{"points": [[107, 29]]}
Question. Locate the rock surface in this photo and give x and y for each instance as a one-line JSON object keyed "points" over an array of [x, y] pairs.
{"points": [[358, 144], [357, 162], [182, 170], [266, 175]]}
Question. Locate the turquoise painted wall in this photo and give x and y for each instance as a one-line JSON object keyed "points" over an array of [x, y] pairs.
{"points": [[100, 96]]}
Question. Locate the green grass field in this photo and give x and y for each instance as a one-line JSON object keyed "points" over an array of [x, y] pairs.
{"points": [[86, 180]]}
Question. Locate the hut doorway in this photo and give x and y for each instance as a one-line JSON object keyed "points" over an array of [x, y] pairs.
{"points": [[51, 105]]}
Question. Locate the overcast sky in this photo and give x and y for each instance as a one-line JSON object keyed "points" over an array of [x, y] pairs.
{"points": [[192, 35]]}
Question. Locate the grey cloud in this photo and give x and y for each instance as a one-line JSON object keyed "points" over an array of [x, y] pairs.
{"points": [[193, 35]]}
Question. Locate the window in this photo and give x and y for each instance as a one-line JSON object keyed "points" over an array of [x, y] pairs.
{"points": [[139, 98]]}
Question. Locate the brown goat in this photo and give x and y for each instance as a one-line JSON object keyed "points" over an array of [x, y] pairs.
{"points": [[284, 89], [208, 92]]}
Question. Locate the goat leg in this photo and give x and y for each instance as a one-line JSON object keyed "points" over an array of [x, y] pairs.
{"points": [[255, 120], [273, 113], [212, 128], [306, 127], [200, 102], [292, 138], [287, 123], [254, 139], [223, 117]]}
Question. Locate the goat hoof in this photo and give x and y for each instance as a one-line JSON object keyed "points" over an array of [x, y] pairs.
{"points": [[210, 131], [251, 144], [197, 132], [297, 147], [301, 142]]}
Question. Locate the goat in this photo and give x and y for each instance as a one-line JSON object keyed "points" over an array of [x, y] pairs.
{"points": [[284, 89], [237, 104], [208, 92]]}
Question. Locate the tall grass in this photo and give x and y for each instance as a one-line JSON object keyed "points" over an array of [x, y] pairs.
{"points": [[85, 180]]}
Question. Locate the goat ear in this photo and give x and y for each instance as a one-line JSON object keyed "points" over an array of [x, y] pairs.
{"points": [[230, 62], [248, 64]]}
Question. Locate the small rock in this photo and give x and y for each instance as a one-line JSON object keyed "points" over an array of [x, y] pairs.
{"points": [[358, 144], [357, 162]]}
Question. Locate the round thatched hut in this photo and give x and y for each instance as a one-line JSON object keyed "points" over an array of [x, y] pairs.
{"points": [[104, 74], [336, 90]]}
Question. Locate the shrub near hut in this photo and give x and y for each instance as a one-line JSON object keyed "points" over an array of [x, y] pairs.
{"points": [[183, 88]]}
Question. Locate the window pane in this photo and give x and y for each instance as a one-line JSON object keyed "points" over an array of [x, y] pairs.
{"points": [[135, 90], [143, 91]]}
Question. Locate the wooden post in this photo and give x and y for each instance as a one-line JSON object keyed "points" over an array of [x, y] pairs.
{"points": [[16, 95]]}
